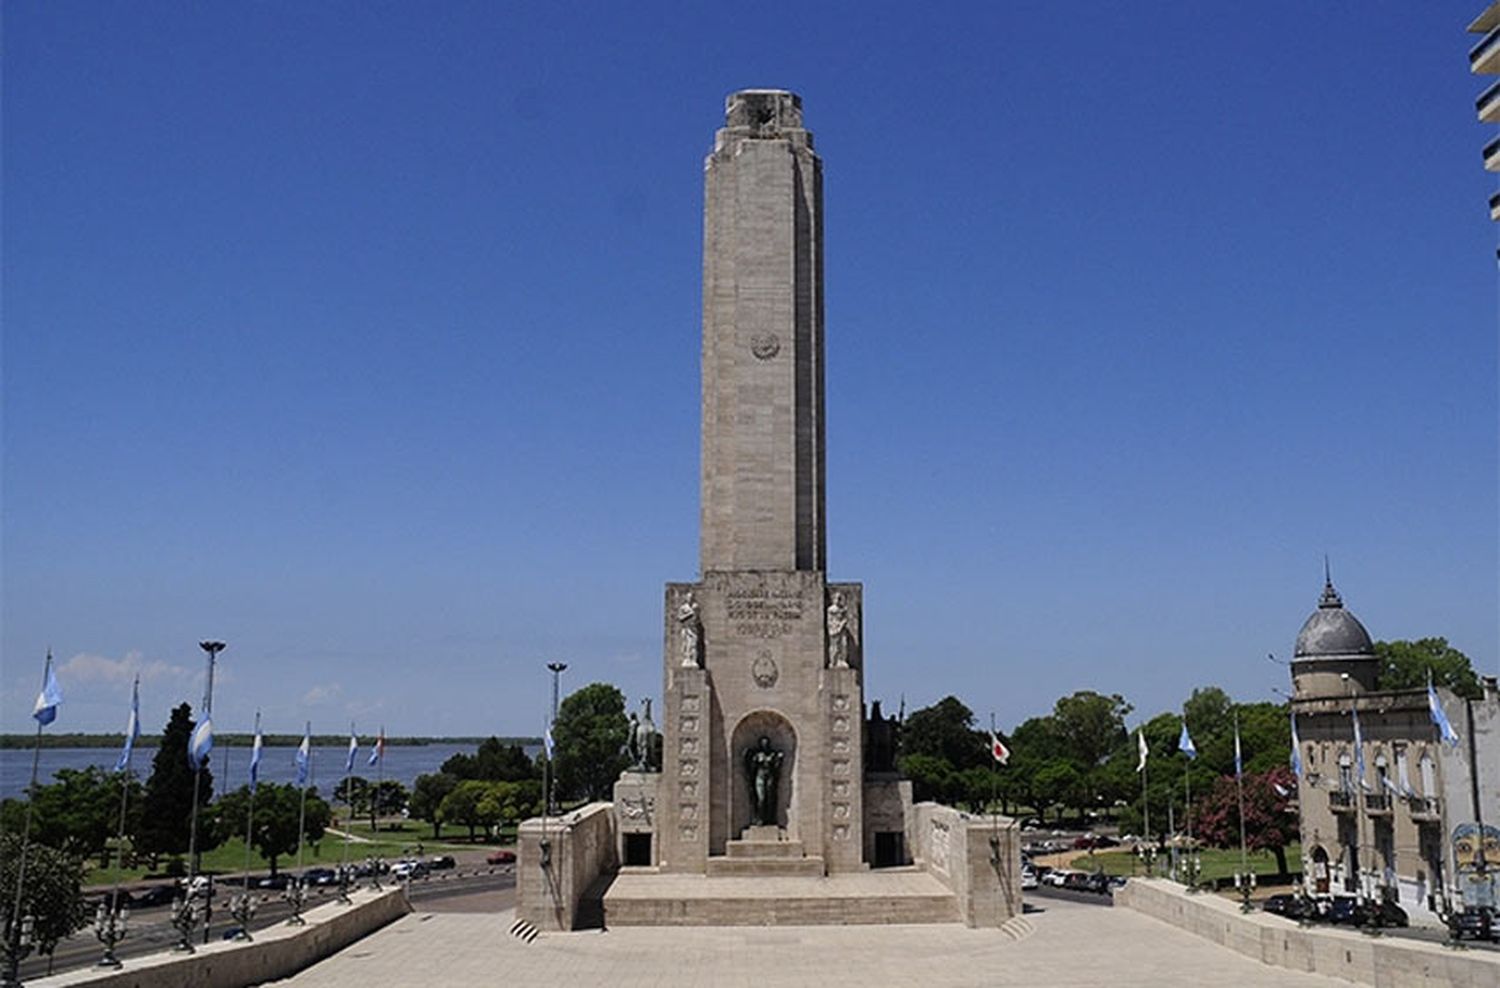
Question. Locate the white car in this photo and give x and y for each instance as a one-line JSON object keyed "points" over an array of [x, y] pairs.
{"points": [[1056, 877], [1028, 879]]}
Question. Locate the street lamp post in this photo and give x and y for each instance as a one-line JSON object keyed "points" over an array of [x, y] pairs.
{"points": [[557, 671], [189, 916]]}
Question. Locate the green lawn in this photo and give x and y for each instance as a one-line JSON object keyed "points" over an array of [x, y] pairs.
{"points": [[1217, 863], [229, 858]]}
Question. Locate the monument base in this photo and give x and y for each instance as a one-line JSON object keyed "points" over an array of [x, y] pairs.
{"points": [[905, 895]]}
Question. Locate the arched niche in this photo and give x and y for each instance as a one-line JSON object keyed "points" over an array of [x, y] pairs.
{"points": [[747, 734]]}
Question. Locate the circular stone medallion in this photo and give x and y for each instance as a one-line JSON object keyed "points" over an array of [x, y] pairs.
{"points": [[765, 346], [764, 671]]}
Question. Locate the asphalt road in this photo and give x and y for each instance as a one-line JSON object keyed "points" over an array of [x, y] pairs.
{"points": [[151, 930]]}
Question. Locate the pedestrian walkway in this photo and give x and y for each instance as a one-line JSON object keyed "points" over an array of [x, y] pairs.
{"points": [[1073, 945]]}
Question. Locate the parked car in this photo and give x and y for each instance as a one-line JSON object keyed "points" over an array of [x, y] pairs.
{"points": [[1349, 911], [1098, 882], [406, 870], [156, 895], [1078, 881], [1056, 878], [319, 876], [277, 882], [442, 862], [201, 887], [500, 857], [1029, 879], [1474, 923], [1287, 904]]}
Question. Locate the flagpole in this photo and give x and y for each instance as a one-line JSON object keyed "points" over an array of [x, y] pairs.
{"points": [[1145, 802], [1239, 785], [348, 805], [379, 781], [302, 804], [14, 933], [250, 809], [125, 789]]}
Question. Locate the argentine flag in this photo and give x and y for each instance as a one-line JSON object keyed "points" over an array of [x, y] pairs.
{"points": [[304, 756], [255, 756], [132, 727], [353, 750], [1185, 742], [377, 751], [50, 698], [1439, 718], [202, 744], [1296, 750]]}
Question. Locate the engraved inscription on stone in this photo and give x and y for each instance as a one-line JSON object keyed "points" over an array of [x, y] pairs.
{"points": [[764, 670], [762, 612], [638, 809], [940, 846]]}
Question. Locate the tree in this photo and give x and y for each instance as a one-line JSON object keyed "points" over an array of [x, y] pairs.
{"points": [[945, 731], [79, 813], [932, 778], [1406, 665], [1270, 821], [52, 893], [273, 826], [427, 795], [354, 793], [589, 737], [462, 805], [1091, 725], [168, 802], [1057, 781], [385, 798]]}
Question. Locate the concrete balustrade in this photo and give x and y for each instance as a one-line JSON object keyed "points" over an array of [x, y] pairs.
{"points": [[276, 952]]}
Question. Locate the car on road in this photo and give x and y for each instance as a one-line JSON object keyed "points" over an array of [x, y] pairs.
{"points": [[407, 870], [1057, 877], [1287, 904], [442, 862], [1349, 911], [319, 876], [1474, 923], [500, 857], [156, 895], [277, 882], [1029, 879]]}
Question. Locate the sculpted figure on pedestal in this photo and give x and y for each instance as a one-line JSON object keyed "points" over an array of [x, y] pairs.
{"points": [[841, 637], [763, 769], [690, 632]]}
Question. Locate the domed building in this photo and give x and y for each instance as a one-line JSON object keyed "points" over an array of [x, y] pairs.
{"points": [[1386, 807]]}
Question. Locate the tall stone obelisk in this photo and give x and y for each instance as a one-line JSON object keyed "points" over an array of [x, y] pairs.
{"points": [[762, 654], [763, 468]]}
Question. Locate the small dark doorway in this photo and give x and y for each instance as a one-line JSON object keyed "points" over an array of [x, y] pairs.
{"points": [[890, 848], [638, 849]]}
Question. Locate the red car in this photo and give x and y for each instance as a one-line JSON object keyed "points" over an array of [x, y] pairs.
{"points": [[501, 857]]}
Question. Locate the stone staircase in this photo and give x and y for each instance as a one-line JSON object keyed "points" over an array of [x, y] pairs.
{"points": [[765, 858], [643, 897]]}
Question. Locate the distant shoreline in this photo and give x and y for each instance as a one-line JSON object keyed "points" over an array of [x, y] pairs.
{"points": [[11, 742]]}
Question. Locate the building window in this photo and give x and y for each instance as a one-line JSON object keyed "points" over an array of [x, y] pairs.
{"points": [[1346, 774], [1429, 779]]}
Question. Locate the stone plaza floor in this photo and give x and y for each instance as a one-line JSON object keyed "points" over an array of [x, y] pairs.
{"points": [[1070, 944]]}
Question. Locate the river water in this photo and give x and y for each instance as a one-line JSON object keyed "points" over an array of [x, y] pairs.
{"points": [[231, 766]]}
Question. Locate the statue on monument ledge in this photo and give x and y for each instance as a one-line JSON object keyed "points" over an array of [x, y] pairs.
{"points": [[690, 632], [763, 766]]}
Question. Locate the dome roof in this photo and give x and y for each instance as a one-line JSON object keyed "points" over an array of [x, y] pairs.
{"points": [[1331, 630]]}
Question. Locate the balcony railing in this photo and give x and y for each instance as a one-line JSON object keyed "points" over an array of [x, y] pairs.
{"points": [[1341, 802], [1487, 106], [1426, 808], [1378, 804], [1482, 57], [1492, 156]]}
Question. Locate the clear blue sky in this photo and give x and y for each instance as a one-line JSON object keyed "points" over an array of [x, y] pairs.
{"points": [[365, 337]]}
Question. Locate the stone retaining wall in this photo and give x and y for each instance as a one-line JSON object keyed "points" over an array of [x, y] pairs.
{"points": [[276, 952], [580, 851], [1385, 961], [956, 849]]}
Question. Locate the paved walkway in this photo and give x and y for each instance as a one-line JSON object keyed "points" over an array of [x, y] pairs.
{"points": [[1073, 945]]}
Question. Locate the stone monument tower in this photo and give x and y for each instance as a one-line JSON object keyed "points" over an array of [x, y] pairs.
{"points": [[762, 769]]}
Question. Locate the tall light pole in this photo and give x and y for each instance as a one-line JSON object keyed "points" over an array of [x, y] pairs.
{"points": [[213, 648], [557, 671]]}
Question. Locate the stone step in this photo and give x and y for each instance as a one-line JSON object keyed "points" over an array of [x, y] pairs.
{"points": [[764, 849], [811, 867], [762, 911]]}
